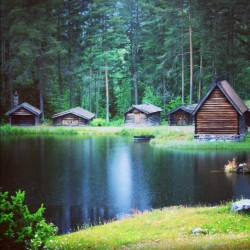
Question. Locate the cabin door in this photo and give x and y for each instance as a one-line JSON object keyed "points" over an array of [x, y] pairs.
{"points": [[140, 118], [137, 118], [23, 120], [181, 120]]}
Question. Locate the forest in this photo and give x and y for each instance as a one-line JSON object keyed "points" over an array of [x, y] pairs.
{"points": [[105, 55]]}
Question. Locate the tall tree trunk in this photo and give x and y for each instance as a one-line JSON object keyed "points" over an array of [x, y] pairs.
{"points": [[164, 89], [41, 102], [182, 61], [59, 75], [70, 79], [90, 89], [191, 54], [3, 73], [59, 59], [200, 80], [98, 92], [107, 92], [134, 46], [11, 89], [182, 70], [40, 88], [10, 76]]}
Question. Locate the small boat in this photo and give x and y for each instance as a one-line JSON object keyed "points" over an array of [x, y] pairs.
{"points": [[138, 138]]}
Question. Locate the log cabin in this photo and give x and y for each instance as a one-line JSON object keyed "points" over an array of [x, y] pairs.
{"points": [[181, 116], [143, 115], [220, 115], [248, 117], [73, 117], [24, 115]]}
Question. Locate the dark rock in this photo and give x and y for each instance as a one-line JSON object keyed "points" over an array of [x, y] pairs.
{"points": [[198, 230]]}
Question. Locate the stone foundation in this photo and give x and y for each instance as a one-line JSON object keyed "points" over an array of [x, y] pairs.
{"points": [[225, 138]]}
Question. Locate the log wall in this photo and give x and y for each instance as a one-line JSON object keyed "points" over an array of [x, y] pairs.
{"points": [[22, 111], [248, 118], [137, 118], [23, 117], [217, 116], [23, 120], [180, 118], [69, 120]]}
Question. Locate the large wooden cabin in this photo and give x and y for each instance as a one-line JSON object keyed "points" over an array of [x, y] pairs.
{"points": [[73, 117], [143, 115], [181, 116], [221, 114], [24, 115]]}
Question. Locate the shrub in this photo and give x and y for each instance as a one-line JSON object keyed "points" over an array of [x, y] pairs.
{"points": [[98, 122], [20, 229], [116, 122]]}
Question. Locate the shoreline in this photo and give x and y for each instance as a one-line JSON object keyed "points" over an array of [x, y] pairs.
{"points": [[168, 137], [166, 228]]}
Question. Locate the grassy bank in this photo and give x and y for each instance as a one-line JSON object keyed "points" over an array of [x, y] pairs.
{"points": [[15, 130], [165, 229], [184, 140], [165, 136]]}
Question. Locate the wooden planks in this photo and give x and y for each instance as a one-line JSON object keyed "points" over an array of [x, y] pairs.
{"points": [[217, 116], [22, 111]]}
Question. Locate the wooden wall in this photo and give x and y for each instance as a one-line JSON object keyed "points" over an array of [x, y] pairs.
{"points": [[180, 117], [69, 120], [137, 118], [217, 116], [248, 118], [23, 117]]}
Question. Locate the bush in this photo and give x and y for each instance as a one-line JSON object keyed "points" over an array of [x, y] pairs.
{"points": [[20, 229], [116, 122], [98, 122]]}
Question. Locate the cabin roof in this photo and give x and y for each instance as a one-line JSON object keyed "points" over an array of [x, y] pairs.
{"points": [[27, 106], [229, 93], [145, 108], [78, 111], [187, 108]]}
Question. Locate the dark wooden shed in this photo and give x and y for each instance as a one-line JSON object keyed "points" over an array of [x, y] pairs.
{"points": [[248, 117], [73, 117], [221, 114], [143, 115], [181, 116], [24, 115]]}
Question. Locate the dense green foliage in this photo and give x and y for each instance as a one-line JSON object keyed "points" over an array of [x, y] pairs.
{"points": [[19, 228], [169, 228], [99, 54]]}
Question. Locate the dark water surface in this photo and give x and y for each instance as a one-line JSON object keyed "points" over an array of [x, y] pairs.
{"points": [[91, 179]]}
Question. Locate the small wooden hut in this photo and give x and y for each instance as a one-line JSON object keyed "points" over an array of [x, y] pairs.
{"points": [[24, 115], [181, 116], [73, 117], [143, 115], [248, 117], [221, 114]]}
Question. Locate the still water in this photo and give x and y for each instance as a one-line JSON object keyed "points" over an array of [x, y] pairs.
{"points": [[93, 179]]}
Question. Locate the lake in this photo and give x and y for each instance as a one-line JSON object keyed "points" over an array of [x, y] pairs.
{"points": [[95, 179]]}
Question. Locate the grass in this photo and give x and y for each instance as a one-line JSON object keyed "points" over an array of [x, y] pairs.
{"points": [[43, 130], [165, 229], [183, 139], [165, 136]]}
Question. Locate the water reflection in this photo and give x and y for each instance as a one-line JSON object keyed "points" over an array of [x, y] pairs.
{"points": [[89, 179], [120, 180]]}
